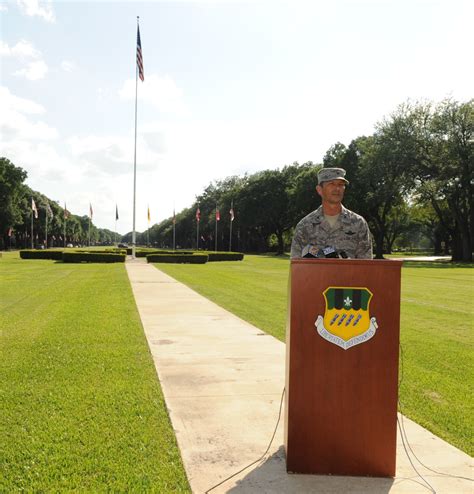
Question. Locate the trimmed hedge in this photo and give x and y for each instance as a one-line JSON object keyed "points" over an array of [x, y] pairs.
{"points": [[174, 252], [225, 256], [93, 257], [144, 253], [178, 258], [101, 251], [55, 255]]}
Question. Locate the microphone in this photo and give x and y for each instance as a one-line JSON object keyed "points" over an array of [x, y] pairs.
{"points": [[328, 252]]}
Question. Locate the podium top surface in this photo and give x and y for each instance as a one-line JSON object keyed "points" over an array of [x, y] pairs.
{"points": [[345, 262]]}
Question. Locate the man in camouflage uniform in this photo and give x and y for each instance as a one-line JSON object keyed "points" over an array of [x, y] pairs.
{"points": [[332, 225]]}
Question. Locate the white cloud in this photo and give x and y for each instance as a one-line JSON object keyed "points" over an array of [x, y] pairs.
{"points": [[16, 123], [23, 49], [161, 92], [111, 155], [68, 66], [33, 70], [34, 67], [42, 9], [3, 8], [8, 101]]}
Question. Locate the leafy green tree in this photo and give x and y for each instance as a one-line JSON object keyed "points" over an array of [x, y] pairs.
{"points": [[436, 144], [378, 182], [11, 194], [267, 205]]}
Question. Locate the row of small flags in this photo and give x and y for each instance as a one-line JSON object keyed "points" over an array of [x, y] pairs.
{"points": [[27, 235], [66, 213], [218, 215]]}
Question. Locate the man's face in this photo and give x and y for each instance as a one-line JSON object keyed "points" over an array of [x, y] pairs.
{"points": [[332, 191]]}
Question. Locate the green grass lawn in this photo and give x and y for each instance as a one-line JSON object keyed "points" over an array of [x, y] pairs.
{"points": [[436, 330], [82, 409]]}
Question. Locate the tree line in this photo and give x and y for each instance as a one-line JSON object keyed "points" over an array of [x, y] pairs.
{"points": [[412, 180], [54, 226]]}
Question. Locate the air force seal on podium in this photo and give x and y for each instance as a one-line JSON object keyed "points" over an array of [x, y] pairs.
{"points": [[346, 321]]}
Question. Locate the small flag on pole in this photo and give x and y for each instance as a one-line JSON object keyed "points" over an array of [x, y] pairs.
{"points": [[49, 211], [10, 231], [66, 212], [231, 212], [198, 215], [148, 213], [174, 217], [141, 72], [91, 213], [33, 207], [218, 215], [116, 213]]}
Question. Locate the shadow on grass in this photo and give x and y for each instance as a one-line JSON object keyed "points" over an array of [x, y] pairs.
{"points": [[271, 255]]}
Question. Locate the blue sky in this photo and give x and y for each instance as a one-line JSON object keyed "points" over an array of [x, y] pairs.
{"points": [[231, 87]]}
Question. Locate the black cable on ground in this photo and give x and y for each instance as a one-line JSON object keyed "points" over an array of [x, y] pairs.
{"points": [[405, 442], [261, 457]]}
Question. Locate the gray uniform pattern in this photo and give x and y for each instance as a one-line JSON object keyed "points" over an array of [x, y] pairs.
{"points": [[351, 234]]}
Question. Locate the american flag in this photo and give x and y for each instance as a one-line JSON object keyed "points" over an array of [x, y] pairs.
{"points": [[231, 212], [91, 212], [141, 73], [218, 215], [198, 215]]}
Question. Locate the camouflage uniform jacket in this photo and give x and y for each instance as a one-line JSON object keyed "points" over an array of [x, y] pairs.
{"points": [[351, 234]]}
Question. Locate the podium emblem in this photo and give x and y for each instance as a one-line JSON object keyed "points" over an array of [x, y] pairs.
{"points": [[346, 321]]}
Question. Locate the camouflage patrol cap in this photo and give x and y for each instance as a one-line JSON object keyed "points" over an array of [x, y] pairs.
{"points": [[327, 174]]}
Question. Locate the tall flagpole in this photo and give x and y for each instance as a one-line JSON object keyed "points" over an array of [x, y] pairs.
{"points": [[138, 73], [135, 151]]}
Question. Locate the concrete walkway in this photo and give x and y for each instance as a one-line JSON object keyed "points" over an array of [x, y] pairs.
{"points": [[223, 378]]}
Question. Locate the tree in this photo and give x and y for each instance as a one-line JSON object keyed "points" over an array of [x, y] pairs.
{"points": [[377, 179], [268, 205], [11, 194], [436, 144]]}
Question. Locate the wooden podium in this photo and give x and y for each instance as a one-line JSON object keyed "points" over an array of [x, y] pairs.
{"points": [[342, 367]]}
